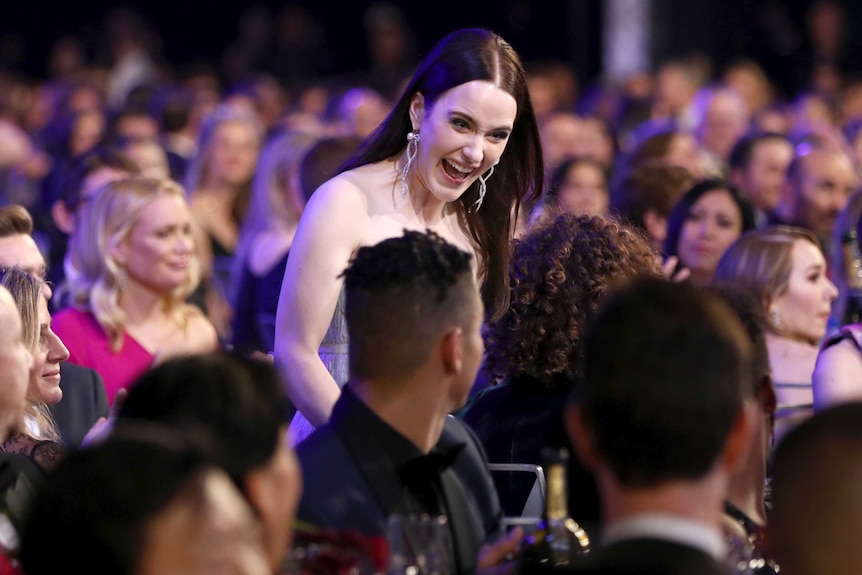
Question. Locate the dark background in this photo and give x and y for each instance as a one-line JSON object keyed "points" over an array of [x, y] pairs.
{"points": [[198, 31]]}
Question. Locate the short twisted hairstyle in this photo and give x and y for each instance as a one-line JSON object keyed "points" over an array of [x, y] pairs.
{"points": [[400, 295], [560, 272]]}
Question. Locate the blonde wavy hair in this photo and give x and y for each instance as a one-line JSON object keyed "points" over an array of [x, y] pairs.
{"points": [[97, 279]]}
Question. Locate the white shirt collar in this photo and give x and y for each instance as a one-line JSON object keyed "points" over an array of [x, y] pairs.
{"points": [[670, 528]]}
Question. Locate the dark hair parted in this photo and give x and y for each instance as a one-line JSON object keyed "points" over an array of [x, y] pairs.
{"points": [[560, 272], [682, 208], [239, 400], [665, 372], [461, 57], [400, 295]]}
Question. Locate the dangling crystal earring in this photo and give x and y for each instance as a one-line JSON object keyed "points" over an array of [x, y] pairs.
{"points": [[776, 320], [412, 148], [121, 278], [483, 189]]}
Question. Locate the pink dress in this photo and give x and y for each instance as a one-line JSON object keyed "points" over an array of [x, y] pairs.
{"points": [[89, 346]]}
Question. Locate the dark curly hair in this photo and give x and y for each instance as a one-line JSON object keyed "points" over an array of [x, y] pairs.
{"points": [[560, 272]]}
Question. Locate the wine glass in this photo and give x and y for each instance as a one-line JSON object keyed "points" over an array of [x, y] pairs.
{"points": [[419, 545]]}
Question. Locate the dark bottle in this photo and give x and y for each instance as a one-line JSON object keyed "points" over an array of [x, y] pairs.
{"points": [[853, 267], [558, 538]]}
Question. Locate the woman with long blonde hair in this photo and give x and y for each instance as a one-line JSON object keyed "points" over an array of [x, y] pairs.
{"points": [[134, 268]]}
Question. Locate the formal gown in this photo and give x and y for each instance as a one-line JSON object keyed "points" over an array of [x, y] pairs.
{"points": [[333, 354]]}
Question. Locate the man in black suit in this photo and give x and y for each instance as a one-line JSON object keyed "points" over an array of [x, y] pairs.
{"points": [[414, 315], [661, 421], [84, 400]]}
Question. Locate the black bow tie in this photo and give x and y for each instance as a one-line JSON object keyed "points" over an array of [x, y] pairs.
{"points": [[426, 467]]}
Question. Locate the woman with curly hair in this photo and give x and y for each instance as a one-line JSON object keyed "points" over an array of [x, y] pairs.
{"points": [[560, 272]]}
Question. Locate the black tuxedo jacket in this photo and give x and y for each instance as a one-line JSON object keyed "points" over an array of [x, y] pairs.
{"points": [[84, 402], [641, 556]]}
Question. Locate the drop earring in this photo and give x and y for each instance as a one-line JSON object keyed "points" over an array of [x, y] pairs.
{"points": [[412, 149], [483, 189]]}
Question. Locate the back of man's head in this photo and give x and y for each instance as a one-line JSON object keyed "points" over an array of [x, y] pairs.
{"points": [[817, 502], [665, 368], [401, 295]]}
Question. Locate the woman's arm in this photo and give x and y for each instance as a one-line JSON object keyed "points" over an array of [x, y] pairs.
{"points": [[838, 375], [331, 228]]}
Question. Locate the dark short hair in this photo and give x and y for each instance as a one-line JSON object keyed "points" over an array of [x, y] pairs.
{"points": [[682, 208], [95, 506], [400, 294], [650, 186], [743, 150], [815, 485], [240, 400], [665, 365]]}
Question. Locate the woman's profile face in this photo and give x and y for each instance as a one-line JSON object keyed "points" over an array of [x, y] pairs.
{"points": [[44, 384], [463, 135], [713, 223], [802, 309]]}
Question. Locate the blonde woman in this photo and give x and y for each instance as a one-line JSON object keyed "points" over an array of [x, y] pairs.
{"points": [[135, 267], [38, 438]]}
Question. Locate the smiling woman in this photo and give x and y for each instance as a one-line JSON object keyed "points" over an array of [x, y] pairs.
{"points": [[457, 155], [134, 267]]}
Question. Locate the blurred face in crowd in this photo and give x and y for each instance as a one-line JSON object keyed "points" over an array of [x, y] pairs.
{"points": [[232, 153], [713, 223], [585, 190], [766, 173], [802, 310], [21, 250], [822, 187]]}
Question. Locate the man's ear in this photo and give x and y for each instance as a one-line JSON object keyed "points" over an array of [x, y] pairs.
{"points": [[452, 351], [581, 435], [63, 217]]}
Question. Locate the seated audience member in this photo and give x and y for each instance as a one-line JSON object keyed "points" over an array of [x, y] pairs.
{"points": [[133, 255], [784, 268], [83, 400], [144, 503], [18, 474], [559, 274], [414, 316], [704, 222], [758, 167], [838, 371], [817, 511], [578, 186], [265, 238], [242, 404], [662, 422], [722, 119], [745, 514], [819, 183], [38, 437], [92, 171], [645, 198]]}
